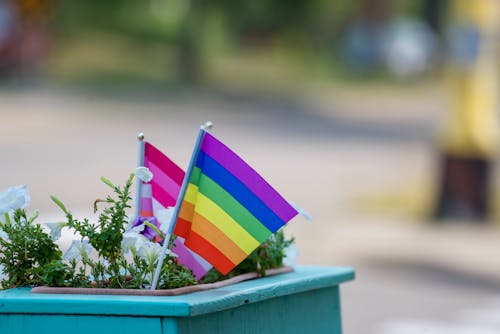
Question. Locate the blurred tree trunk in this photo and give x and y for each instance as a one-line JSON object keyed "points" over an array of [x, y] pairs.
{"points": [[190, 55], [433, 14]]}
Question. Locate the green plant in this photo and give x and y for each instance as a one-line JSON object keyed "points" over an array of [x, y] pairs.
{"points": [[56, 273], [268, 255], [125, 259], [107, 235], [25, 250]]}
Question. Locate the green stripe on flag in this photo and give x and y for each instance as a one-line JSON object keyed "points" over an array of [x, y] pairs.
{"points": [[195, 175], [232, 207]]}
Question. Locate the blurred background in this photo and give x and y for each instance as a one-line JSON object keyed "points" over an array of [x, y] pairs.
{"points": [[377, 117]]}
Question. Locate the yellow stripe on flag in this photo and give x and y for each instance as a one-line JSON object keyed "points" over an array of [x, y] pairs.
{"points": [[208, 231], [191, 193], [212, 212]]}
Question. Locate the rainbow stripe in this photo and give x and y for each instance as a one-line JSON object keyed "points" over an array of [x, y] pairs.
{"points": [[228, 209], [164, 189]]}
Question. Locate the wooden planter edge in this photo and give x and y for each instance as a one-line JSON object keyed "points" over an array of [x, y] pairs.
{"points": [[160, 292]]}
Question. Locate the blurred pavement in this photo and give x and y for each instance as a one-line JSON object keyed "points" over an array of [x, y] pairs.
{"points": [[362, 163]]}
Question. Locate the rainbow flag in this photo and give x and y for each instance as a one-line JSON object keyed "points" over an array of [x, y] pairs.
{"points": [[161, 193], [228, 209]]}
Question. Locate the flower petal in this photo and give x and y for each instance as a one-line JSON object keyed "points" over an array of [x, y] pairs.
{"points": [[78, 250], [55, 229], [14, 198], [143, 174]]}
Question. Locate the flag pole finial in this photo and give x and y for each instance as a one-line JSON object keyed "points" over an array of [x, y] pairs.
{"points": [[140, 136], [208, 125]]}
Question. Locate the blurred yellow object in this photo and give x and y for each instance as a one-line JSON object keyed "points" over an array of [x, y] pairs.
{"points": [[471, 138], [472, 129]]}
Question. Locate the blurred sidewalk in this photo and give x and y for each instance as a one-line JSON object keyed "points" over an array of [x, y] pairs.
{"points": [[460, 250]]}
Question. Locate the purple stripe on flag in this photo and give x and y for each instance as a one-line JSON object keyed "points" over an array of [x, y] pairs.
{"points": [[188, 260], [163, 179], [154, 155], [248, 176], [162, 196]]}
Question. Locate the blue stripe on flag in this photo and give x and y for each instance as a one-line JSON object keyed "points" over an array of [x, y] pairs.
{"points": [[239, 191]]}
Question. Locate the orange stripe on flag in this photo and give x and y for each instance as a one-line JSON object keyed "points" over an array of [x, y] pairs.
{"points": [[205, 229], [183, 225], [199, 245], [186, 211]]}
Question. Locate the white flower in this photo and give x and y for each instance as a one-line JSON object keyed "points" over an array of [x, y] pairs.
{"points": [[164, 216], [14, 198], [132, 241], [291, 253], [143, 174], [78, 250], [55, 229], [149, 251]]}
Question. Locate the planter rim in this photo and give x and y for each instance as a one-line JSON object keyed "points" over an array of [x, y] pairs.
{"points": [[304, 278], [159, 292]]}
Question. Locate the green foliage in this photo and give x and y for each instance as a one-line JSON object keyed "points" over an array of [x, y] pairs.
{"points": [[174, 275], [26, 250], [112, 269], [56, 273], [107, 236], [268, 255]]}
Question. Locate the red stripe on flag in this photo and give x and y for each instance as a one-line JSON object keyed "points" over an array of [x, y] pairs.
{"points": [[211, 254], [182, 228]]}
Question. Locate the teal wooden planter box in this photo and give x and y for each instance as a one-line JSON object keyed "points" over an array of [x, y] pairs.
{"points": [[306, 300]]}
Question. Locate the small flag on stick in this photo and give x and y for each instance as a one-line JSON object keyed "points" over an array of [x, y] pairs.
{"points": [[228, 209], [161, 193]]}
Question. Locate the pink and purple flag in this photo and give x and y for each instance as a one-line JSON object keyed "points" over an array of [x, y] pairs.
{"points": [[161, 193]]}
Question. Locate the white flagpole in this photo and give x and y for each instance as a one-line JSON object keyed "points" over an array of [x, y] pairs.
{"points": [[180, 197], [140, 163]]}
